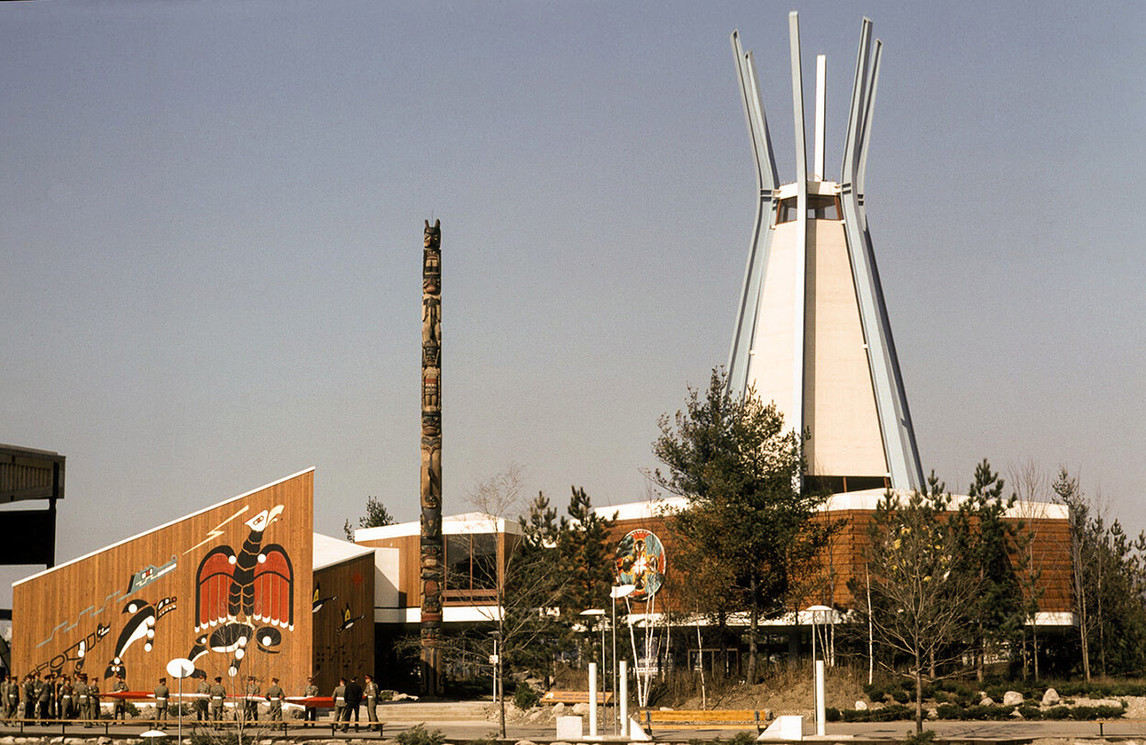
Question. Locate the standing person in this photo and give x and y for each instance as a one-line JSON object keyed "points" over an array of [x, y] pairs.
{"points": [[353, 700], [202, 693], [251, 702], [10, 700], [162, 693], [218, 695], [339, 697], [94, 711], [275, 696], [44, 699], [67, 698], [119, 707], [82, 696], [371, 692], [311, 713]]}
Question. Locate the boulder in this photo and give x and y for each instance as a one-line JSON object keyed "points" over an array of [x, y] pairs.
{"points": [[861, 705], [559, 709], [1012, 698], [525, 742], [580, 709], [1050, 698], [986, 701]]}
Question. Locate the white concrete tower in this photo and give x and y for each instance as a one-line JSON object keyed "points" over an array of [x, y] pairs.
{"points": [[812, 332]]}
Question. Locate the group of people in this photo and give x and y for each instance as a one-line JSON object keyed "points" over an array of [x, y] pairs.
{"points": [[55, 696], [349, 697]]}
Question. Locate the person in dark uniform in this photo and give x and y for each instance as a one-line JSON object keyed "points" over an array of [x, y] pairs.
{"points": [[67, 704], [353, 700], [94, 711], [44, 699], [82, 697]]}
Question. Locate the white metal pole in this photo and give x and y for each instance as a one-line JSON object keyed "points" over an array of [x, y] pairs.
{"points": [[615, 715], [821, 107], [592, 699], [624, 703], [820, 708]]}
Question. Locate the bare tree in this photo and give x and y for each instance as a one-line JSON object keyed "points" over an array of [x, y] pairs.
{"points": [[918, 602], [527, 589]]}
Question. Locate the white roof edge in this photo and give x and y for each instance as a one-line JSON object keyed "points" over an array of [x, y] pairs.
{"points": [[867, 499], [466, 523], [643, 509], [331, 551], [161, 527]]}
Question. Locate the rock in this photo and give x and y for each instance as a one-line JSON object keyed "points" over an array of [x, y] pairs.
{"points": [[558, 709], [1016, 714], [861, 705], [536, 714], [9, 740], [58, 740], [1012, 698], [525, 742], [581, 709], [1050, 698], [932, 714], [104, 741], [987, 701]]}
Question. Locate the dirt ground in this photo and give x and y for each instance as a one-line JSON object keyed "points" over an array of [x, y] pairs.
{"points": [[783, 693]]}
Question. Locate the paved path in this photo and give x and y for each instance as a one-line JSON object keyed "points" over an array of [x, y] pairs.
{"points": [[463, 721]]}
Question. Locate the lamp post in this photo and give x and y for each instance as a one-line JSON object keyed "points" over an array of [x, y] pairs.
{"points": [[617, 591]]}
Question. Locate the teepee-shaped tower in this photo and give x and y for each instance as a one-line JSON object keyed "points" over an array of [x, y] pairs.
{"points": [[812, 332]]}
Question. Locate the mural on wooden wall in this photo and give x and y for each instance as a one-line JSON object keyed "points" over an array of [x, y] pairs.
{"points": [[248, 596], [217, 587], [343, 631]]}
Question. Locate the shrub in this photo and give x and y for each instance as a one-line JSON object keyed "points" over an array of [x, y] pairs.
{"points": [[743, 738], [524, 697], [926, 737], [832, 714], [418, 735]]}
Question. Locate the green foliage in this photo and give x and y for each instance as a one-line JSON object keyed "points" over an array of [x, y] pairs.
{"points": [[832, 714], [926, 737], [418, 735], [524, 697], [743, 738], [890, 713], [747, 538], [376, 516], [487, 740], [207, 737], [585, 557]]}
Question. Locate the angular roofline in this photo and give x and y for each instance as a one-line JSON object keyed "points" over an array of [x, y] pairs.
{"points": [[161, 527]]}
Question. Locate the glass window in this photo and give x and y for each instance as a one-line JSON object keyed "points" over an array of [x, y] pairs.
{"points": [[484, 561], [457, 562]]}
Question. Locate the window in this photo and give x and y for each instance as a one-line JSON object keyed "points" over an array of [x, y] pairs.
{"points": [[471, 566], [820, 207]]}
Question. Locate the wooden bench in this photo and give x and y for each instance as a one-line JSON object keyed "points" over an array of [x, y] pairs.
{"points": [[575, 697], [703, 719]]}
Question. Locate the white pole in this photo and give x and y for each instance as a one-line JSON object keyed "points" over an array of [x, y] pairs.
{"points": [[592, 699], [820, 708], [615, 720], [624, 703]]}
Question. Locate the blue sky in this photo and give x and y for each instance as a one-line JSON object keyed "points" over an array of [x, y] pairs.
{"points": [[212, 237]]}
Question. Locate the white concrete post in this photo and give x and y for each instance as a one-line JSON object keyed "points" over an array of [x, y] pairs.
{"points": [[624, 702], [821, 713], [592, 699]]}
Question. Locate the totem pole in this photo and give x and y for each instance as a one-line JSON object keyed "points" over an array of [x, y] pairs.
{"points": [[433, 567]]}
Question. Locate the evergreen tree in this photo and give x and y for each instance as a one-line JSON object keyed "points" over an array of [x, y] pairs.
{"points": [[585, 556], [376, 516], [741, 473]]}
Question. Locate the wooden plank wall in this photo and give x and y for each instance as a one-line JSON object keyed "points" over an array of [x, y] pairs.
{"points": [[344, 625], [845, 560], [136, 600]]}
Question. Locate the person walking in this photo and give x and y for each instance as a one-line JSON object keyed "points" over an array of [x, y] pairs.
{"points": [[162, 693], [310, 716], [370, 691], [275, 697], [339, 696]]}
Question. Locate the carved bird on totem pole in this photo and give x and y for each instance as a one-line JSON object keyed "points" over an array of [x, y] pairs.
{"points": [[244, 596]]}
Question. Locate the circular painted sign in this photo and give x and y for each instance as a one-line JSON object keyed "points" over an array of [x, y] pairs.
{"points": [[180, 667], [641, 562]]}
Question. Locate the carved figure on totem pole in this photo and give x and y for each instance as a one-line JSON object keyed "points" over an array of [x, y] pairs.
{"points": [[432, 567]]}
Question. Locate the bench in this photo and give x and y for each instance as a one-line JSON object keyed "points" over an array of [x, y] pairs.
{"points": [[575, 697], [703, 719]]}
